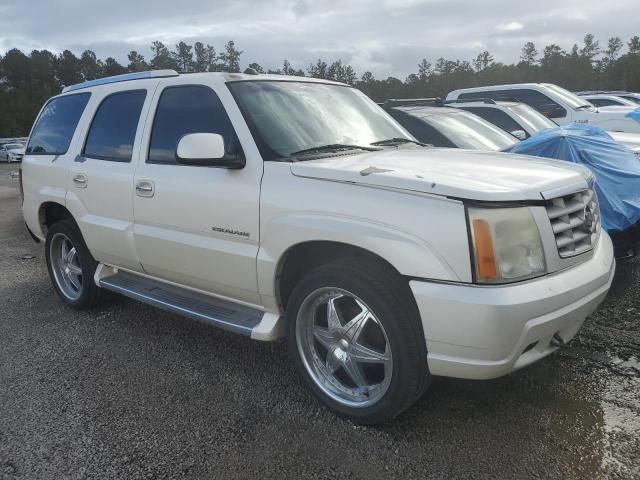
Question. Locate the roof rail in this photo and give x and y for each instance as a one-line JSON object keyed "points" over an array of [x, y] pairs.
{"points": [[602, 92], [407, 102], [488, 101], [121, 78]]}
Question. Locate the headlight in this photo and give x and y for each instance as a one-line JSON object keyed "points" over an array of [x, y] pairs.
{"points": [[506, 244]]}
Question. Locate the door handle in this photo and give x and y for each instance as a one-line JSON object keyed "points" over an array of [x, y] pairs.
{"points": [[80, 180], [144, 188]]}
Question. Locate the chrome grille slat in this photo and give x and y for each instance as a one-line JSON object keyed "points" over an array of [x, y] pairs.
{"points": [[575, 221]]}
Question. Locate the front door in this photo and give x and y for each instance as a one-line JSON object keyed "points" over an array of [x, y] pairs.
{"points": [[196, 226]]}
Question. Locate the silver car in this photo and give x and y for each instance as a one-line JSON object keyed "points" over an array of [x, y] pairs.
{"points": [[12, 152]]}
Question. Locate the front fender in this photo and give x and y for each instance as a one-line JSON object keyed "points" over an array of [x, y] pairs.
{"points": [[410, 255]]}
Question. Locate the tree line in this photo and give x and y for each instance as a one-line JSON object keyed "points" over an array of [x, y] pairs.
{"points": [[28, 80]]}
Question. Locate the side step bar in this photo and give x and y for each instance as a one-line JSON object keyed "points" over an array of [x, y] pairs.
{"points": [[221, 313]]}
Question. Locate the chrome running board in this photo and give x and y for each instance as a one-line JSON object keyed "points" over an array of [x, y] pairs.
{"points": [[221, 313]]}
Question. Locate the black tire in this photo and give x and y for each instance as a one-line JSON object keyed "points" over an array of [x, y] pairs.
{"points": [[90, 295], [388, 295]]}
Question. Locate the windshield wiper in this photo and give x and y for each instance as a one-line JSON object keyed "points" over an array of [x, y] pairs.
{"points": [[586, 105], [398, 141], [334, 147]]}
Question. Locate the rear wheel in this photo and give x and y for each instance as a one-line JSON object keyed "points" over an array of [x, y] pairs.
{"points": [[355, 335], [71, 266]]}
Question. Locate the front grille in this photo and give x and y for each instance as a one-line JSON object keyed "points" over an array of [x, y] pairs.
{"points": [[575, 220]]}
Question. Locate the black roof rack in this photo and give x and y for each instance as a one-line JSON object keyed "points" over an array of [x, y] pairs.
{"points": [[413, 102], [489, 101]]}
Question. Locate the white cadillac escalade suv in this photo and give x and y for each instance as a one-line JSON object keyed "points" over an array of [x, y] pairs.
{"points": [[277, 206]]}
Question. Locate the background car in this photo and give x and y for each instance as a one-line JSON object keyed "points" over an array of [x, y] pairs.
{"points": [[448, 127], [12, 152]]}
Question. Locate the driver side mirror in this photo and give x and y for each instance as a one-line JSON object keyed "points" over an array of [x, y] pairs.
{"points": [[519, 134], [206, 150]]}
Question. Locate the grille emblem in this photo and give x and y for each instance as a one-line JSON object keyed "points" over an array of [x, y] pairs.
{"points": [[588, 219]]}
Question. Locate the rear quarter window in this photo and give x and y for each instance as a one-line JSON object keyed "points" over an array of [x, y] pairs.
{"points": [[56, 125]]}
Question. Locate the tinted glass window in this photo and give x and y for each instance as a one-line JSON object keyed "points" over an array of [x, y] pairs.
{"points": [[633, 99], [603, 102], [497, 117], [532, 118], [114, 127], [57, 123], [183, 110], [470, 131], [537, 100], [421, 130]]}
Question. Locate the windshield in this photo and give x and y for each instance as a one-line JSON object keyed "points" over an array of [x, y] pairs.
{"points": [[533, 119], [466, 130], [570, 99], [13, 146], [287, 117]]}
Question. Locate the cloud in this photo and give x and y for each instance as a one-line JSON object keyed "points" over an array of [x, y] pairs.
{"points": [[386, 37], [510, 27]]}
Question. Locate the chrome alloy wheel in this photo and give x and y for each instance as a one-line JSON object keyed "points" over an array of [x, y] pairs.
{"points": [[344, 347], [66, 267]]}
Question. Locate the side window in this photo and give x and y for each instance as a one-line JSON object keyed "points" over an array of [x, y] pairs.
{"points": [[114, 127], [188, 109], [603, 102], [57, 123], [497, 117]]}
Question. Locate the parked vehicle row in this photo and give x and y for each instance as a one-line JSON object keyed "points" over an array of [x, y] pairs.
{"points": [[634, 97], [278, 206]]}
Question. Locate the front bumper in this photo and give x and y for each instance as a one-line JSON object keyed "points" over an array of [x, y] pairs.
{"points": [[482, 332]]}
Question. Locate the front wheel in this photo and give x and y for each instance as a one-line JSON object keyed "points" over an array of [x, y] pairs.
{"points": [[355, 335]]}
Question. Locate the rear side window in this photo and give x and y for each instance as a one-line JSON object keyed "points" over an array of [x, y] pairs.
{"points": [[114, 126], [497, 117], [188, 109], [57, 123]]}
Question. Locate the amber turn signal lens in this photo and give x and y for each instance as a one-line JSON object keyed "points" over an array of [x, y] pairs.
{"points": [[485, 257]]}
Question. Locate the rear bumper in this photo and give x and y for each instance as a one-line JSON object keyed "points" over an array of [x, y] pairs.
{"points": [[482, 332]]}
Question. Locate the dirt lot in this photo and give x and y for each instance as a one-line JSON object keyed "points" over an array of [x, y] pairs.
{"points": [[128, 391]]}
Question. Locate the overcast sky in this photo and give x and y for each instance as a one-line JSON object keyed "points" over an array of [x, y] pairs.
{"points": [[387, 37]]}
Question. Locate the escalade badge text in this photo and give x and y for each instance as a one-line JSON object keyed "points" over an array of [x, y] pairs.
{"points": [[230, 231]]}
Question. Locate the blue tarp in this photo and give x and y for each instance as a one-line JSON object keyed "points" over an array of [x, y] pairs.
{"points": [[616, 168]]}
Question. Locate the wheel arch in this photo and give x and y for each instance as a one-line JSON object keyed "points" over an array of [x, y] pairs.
{"points": [[51, 212], [301, 258]]}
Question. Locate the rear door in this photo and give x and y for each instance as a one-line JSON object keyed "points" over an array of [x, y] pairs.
{"points": [[197, 226], [100, 192]]}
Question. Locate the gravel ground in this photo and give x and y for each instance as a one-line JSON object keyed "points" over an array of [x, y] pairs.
{"points": [[128, 391]]}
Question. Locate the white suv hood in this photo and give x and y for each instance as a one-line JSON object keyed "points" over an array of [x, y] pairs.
{"points": [[451, 172]]}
